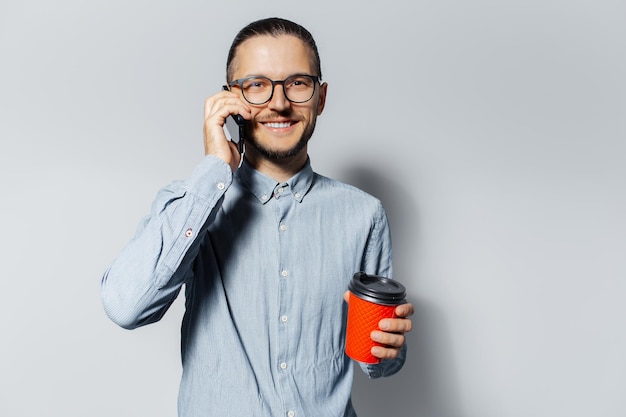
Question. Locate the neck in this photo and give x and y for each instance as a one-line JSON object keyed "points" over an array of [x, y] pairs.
{"points": [[280, 170]]}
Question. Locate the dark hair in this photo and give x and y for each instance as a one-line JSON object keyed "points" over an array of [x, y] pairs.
{"points": [[274, 26]]}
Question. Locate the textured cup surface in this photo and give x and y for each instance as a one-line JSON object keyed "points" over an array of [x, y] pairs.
{"points": [[372, 298]]}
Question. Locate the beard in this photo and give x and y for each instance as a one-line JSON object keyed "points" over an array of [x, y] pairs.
{"points": [[275, 155]]}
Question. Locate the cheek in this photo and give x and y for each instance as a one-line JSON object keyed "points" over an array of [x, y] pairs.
{"points": [[318, 107], [255, 113], [313, 111]]}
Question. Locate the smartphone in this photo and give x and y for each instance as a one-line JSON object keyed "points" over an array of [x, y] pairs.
{"points": [[234, 129]]}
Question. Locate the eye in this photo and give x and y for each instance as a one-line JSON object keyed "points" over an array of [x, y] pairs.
{"points": [[256, 84], [299, 82]]}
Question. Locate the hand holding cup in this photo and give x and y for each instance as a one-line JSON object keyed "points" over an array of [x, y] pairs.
{"points": [[377, 318]]}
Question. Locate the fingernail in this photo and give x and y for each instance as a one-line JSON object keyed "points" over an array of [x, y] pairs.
{"points": [[384, 325]]}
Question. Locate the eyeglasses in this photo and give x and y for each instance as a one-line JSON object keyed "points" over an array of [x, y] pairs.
{"points": [[257, 90]]}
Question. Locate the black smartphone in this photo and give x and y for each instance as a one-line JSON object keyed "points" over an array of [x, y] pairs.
{"points": [[235, 129]]}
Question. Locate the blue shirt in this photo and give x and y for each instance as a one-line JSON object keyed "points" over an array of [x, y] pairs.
{"points": [[264, 267]]}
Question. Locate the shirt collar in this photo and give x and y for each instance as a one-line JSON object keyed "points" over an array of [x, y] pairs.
{"points": [[264, 187]]}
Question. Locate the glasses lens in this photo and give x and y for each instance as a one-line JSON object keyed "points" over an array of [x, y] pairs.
{"points": [[257, 90], [299, 88]]}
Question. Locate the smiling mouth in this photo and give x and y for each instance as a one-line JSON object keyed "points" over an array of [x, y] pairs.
{"points": [[278, 125]]}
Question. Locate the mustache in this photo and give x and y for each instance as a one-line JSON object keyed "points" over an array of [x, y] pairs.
{"points": [[273, 115]]}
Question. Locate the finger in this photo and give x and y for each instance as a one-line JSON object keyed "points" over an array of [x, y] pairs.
{"points": [[398, 325], [405, 310], [225, 103], [388, 339], [382, 352], [346, 296], [218, 110]]}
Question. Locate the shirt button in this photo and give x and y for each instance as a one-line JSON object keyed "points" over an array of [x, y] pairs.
{"points": [[220, 185], [264, 197], [189, 232], [298, 196], [291, 413], [283, 319], [283, 365], [284, 273], [283, 227], [280, 189]]}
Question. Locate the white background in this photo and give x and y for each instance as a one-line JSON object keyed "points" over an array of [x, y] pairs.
{"points": [[493, 131]]}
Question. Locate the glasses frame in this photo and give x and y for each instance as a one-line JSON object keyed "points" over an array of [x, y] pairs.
{"points": [[239, 82]]}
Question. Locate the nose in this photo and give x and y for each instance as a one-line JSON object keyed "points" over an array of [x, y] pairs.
{"points": [[279, 102]]}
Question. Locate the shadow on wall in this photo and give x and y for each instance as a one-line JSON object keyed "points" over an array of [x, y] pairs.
{"points": [[426, 386]]}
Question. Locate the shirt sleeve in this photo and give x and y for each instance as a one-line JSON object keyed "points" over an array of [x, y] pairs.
{"points": [[146, 277], [378, 260]]}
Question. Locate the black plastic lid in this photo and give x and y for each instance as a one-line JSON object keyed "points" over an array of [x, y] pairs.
{"points": [[377, 289]]}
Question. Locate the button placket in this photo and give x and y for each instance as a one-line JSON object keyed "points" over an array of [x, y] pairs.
{"points": [[286, 355]]}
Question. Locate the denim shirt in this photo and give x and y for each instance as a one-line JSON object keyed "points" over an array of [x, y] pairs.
{"points": [[264, 267]]}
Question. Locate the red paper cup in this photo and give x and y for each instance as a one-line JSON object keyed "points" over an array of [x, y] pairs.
{"points": [[372, 298]]}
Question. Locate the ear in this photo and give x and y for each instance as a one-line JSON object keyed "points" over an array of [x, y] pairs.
{"points": [[321, 102]]}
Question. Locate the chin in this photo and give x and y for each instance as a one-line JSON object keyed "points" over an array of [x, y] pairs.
{"points": [[278, 154]]}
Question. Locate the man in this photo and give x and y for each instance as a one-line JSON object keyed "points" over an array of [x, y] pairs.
{"points": [[264, 246]]}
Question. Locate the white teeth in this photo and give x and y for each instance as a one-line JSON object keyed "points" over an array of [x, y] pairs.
{"points": [[278, 125]]}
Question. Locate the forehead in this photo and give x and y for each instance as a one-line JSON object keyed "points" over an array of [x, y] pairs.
{"points": [[275, 57]]}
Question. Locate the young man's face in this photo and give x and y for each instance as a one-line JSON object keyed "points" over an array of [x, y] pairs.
{"points": [[279, 128]]}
